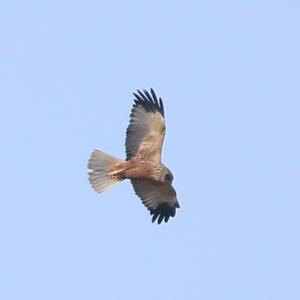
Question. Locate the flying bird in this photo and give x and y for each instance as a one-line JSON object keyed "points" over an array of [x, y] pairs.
{"points": [[150, 178]]}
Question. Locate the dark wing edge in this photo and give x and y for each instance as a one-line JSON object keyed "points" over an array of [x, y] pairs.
{"points": [[160, 210], [163, 212], [150, 102]]}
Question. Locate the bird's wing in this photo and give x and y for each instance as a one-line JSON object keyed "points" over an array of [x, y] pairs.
{"points": [[158, 197], [146, 130]]}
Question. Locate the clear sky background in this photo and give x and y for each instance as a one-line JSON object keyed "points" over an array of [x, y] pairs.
{"points": [[228, 72]]}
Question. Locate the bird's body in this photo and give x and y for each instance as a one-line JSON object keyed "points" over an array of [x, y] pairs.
{"points": [[151, 180], [138, 169]]}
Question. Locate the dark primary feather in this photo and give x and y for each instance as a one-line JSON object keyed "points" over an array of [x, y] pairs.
{"points": [[149, 102], [163, 212], [159, 198]]}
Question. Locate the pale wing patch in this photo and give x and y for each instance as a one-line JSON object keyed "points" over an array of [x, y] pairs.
{"points": [[150, 147]]}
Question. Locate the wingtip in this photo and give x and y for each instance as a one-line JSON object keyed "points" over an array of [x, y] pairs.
{"points": [[163, 213], [149, 100]]}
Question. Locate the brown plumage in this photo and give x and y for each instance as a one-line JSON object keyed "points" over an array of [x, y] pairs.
{"points": [[151, 180]]}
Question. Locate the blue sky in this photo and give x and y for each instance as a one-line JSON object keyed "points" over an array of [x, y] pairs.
{"points": [[228, 72]]}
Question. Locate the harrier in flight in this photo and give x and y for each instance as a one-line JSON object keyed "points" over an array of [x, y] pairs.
{"points": [[151, 180]]}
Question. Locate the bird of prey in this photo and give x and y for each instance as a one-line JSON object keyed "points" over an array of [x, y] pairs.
{"points": [[151, 180]]}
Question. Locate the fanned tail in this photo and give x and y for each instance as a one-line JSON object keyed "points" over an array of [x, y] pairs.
{"points": [[100, 163]]}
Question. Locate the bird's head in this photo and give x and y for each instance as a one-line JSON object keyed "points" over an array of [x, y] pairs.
{"points": [[168, 176]]}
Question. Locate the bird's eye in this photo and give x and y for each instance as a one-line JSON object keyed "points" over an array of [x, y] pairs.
{"points": [[169, 177]]}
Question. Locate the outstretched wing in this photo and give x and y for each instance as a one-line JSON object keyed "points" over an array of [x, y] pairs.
{"points": [[146, 130], [158, 197]]}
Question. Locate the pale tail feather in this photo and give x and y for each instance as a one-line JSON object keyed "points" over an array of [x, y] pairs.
{"points": [[100, 163]]}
